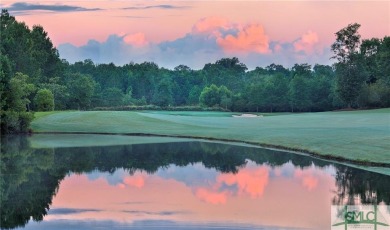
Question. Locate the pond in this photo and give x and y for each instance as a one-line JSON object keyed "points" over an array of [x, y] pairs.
{"points": [[116, 182]]}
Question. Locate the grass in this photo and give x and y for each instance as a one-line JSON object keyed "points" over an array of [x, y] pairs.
{"points": [[193, 113], [209, 113], [77, 140], [43, 114], [359, 136]]}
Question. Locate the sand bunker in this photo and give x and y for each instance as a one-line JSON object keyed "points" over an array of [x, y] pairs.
{"points": [[247, 115]]}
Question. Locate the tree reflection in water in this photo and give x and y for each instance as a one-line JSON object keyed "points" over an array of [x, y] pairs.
{"points": [[359, 186], [30, 177]]}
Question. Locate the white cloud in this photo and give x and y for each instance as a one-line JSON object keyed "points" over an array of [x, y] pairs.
{"points": [[209, 40]]}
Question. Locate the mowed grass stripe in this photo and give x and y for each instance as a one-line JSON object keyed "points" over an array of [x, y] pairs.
{"points": [[103, 121], [357, 135]]}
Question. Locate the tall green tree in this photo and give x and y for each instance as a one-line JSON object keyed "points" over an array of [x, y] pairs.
{"points": [[31, 51], [16, 43], [45, 57], [348, 69]]}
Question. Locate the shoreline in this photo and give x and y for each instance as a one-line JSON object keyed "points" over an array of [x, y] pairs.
{"points": [[329, 157]]}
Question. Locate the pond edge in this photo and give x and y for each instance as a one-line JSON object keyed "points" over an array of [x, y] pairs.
{"points": [[262, 145]]}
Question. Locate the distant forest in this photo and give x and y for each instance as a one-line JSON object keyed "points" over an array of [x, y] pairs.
{"points": [[34, 78]]}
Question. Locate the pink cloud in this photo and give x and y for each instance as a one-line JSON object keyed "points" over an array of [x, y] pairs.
{"points": [[307, 177], [122, 186], [137, 39], [135, 181], [310, 182], [211, 197], [250, 38], [249, 181], [307, 42], [211, 25]]}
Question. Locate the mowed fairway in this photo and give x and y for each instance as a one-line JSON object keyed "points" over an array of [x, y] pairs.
{"points": [[357, 135]]}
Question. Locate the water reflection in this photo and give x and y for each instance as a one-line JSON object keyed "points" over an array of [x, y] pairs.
{"points": [[186, 185]]}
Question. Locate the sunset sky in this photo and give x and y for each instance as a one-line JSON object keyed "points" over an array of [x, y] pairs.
{"points": [[197, 32]]}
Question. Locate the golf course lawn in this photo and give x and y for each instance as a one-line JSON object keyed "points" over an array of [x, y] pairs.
{"points": [[358, 136]]}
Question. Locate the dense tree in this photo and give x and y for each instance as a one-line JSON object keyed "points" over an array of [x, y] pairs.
{"points": [[181, 84], [28, 59], [163, 93], [274, 69], [81, 89], [14, 117], [303, 70], [374, 55], [255, 99], [210, 96], [323, 70], [216, 96], [226, 97], [127, 98], [143, 79], [19, 89], [113, 97], [275, 92], [5, 76], [193, 95], [59, 90], [44, 100], [299, 94], [382, 61], [226, 71], [320, 91]]}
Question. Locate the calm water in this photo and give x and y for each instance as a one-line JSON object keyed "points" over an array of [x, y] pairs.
{"points": [[181, 185]]}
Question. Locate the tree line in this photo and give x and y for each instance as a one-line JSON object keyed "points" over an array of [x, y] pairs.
{"points": [[34, 78]]}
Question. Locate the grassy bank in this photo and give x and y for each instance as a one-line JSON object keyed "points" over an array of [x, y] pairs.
{"points": [[91, 140], [359, 136]]}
